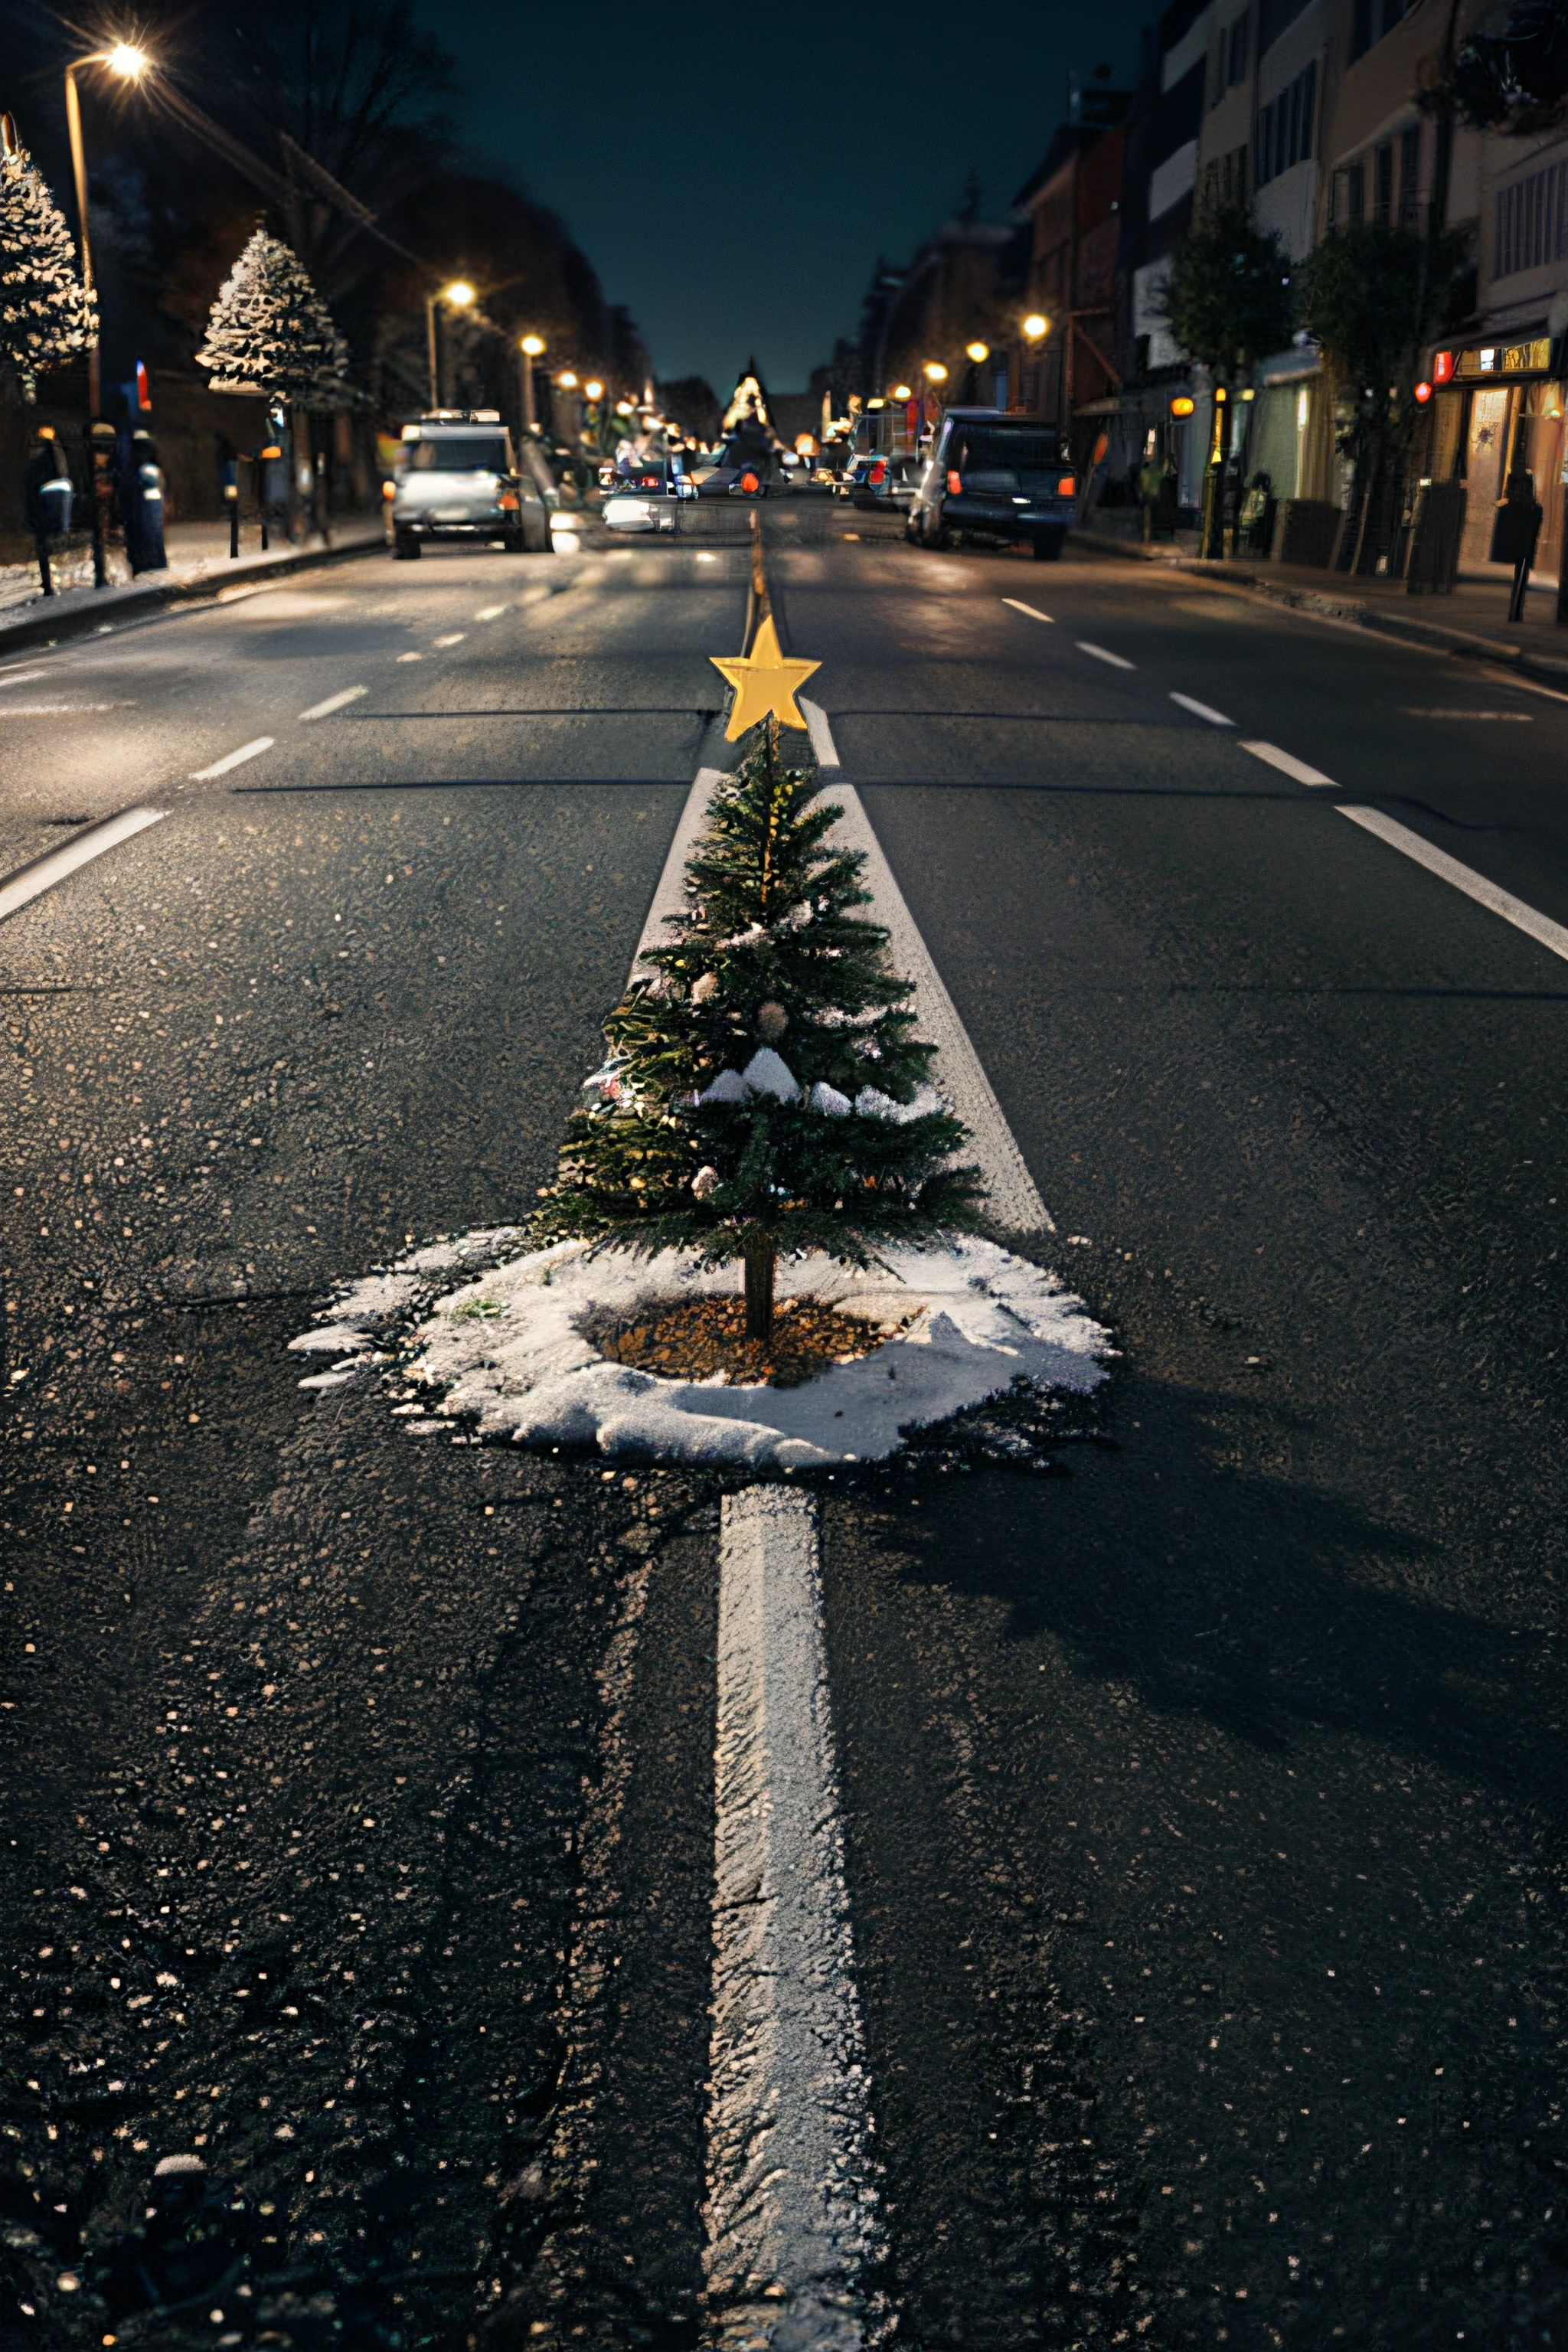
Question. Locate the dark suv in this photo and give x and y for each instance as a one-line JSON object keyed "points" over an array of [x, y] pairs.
{"points": [[995, 479]]}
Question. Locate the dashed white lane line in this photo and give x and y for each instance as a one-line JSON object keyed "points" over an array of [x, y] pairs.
{"points": [[791, 2212], [820, 733], [1203, 710], [21, 677], [1100, 654], [233, 760], [1286, 762], [30, 882], [1033, 610], [407, 657], [1539, 928], [455, 638], [1014, 1197], [335, 702], [490, 613]]}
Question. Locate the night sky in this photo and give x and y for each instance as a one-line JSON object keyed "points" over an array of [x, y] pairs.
{"points": [[733, 188]]}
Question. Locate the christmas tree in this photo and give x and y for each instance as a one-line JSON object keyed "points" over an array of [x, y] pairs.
{"points": [[270, 331], [765, 1090], [46, 313]]}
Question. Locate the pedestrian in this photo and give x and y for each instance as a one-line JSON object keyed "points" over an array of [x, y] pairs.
{"points": [[47, 498], [1514, 534], [142, 503]]}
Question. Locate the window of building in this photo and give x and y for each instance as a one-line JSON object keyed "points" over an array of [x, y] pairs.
{"points": [[1236, 69], [1532, 222], [1383, 180], [1370, 20], [1355, 193], [1409, 176], [1286, 127]]}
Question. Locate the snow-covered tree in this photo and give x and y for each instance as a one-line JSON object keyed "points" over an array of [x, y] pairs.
{"points": [[271, 329], [46, 314], [765, 1090]]}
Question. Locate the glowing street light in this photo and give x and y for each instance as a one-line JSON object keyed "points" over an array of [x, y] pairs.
{"points": [[1036, 326], [567, 380], [532, 348], [934, 372], [978, 351], [458, 294], [130, 64], [535, 346], [903, 392], [594, 389]]}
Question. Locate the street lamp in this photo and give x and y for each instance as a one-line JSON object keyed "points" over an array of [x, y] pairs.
{"points": [[903, 392], [978, 351], [594, 389], [1036, 326], [532, 348], [459, 294], [567, 380], [934, 372], [130, 64]]}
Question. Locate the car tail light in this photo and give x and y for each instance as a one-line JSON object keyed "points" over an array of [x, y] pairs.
{"points": [[749, 483], [508, 504], [954, 484], [1066, 486], [878, 473]]}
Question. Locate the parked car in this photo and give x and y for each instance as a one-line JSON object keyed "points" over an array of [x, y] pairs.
{"points": [[993, 480], [876, 481], [644, 497], [456, 478]]}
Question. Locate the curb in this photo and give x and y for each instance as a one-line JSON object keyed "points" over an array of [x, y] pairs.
{"points": [[1326, 606], [138, 604]]}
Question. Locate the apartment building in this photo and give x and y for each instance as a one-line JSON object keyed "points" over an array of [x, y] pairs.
{"points": [[1073, 205]]}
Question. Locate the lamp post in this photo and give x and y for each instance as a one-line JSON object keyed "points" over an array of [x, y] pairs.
{"points": [[977, 354], [531, 348], [457, 296], [130, 64], [1037, 326], [934, 373]]}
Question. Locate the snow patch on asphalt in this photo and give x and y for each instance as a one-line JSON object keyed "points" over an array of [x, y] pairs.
{"points": [[509, 1349]]}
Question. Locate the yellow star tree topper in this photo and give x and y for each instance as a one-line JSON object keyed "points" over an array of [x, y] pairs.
{"points": [[765, 681]]}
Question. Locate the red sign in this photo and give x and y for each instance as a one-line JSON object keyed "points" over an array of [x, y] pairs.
{"points": [[1442, 367], [1423, 394]]}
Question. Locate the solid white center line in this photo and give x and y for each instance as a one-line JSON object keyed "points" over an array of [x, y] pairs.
{"points": [[1286, 762], [56, 710], [455, 638], [1203, 710], [30, 881], [490, 613], [1539, 928], [334, 702], [1033, 610], [1100, 654], [791, 2215], [233, 760], [820, 733]]}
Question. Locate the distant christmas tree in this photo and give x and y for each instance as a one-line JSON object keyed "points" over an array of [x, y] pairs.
{"points": [[765, 1090], [270, 328], [46, 314]]}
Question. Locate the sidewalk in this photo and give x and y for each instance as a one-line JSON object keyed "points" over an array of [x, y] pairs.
{"points": [[1470, 621], [198, 565]]}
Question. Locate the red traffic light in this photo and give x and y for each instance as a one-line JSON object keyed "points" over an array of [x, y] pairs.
{"points": [[1423, 394]]}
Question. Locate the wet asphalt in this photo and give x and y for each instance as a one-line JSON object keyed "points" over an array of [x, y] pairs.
{"points": [[1203, 1806]]}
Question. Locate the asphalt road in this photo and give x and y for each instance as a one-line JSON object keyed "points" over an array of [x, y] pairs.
{"points": [[1202, 1807]]}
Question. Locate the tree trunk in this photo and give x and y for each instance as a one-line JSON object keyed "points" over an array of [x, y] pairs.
{"points": [[761, 1259]]}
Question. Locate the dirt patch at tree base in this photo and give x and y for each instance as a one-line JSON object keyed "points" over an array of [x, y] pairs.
{"points": [[694, 1338]]}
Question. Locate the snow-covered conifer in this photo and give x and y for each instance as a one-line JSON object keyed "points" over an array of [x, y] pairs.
{"points": [[46, 314], [765, 1090], [270, 328]]}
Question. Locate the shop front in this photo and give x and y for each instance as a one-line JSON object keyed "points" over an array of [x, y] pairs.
{"points": [[1497, 408]]}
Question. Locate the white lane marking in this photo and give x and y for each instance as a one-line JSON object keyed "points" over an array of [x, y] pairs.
{"points": [[1203, 710], [958, 1071], [1100, 654], [820, 733], [56, 710], [490, 613], [791, 2215], [455, 638], [31, 881], [403, 658], [1539, 928], [1286, 762], [1033, 612], [334, 702], [1524, 718], [233, 760], [21, 677]]}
